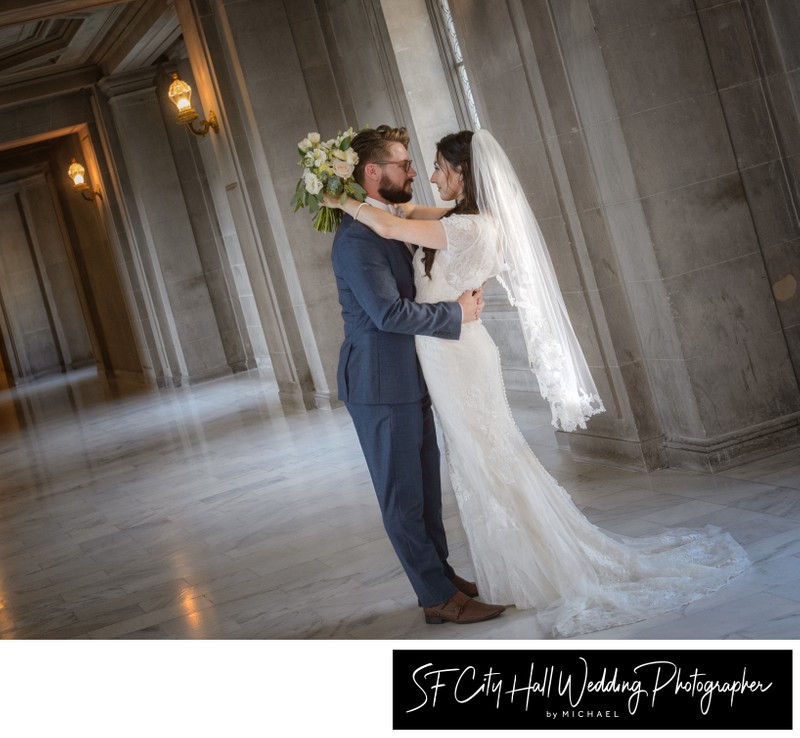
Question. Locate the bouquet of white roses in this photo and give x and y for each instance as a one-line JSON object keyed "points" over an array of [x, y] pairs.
{"points": [[327, 169]]}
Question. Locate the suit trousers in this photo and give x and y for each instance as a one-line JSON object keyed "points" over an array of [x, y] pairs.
{"points": [[399, 445]]}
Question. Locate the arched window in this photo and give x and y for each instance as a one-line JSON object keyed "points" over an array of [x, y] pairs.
{"points": [[451, 51]]}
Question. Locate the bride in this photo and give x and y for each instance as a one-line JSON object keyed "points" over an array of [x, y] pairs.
{"points": [[530, 545]]}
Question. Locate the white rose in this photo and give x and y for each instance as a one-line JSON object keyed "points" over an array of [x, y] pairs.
{"points": [[338, 154], [304, 145], [351, 157], [342, 168], [312, 183], [319, 157], [313, 138]]}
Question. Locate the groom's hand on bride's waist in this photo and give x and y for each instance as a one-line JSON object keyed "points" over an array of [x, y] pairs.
{"points": [[472, 305]]}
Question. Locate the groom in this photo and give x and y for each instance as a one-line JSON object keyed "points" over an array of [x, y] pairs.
{"points": [[380, 381]]}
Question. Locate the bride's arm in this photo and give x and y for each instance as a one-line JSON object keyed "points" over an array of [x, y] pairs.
{"points": [[428, 233], [413, 211]]}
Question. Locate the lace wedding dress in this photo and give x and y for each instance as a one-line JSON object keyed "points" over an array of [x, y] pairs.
{"points": [[530, 545]]}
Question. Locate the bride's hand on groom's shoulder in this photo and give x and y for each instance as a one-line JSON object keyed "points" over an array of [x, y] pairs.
{"points": [[405, 210]]}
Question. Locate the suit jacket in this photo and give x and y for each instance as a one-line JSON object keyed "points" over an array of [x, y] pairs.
{"points": [[378, 360]]}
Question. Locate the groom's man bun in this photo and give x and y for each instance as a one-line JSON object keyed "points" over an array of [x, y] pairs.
{"points": [[372, 144]]}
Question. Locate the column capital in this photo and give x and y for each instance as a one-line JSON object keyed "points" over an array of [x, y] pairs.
{"points": [[139, 82]]}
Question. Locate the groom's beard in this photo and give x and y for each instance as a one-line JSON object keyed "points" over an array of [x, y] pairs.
{"points": [[394, 194]]}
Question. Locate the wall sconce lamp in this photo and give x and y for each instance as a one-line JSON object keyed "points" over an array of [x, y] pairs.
{"points": [[76, 174], [180, 93]]}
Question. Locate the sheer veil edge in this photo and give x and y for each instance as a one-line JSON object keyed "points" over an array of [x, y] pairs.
{"points": [[554, 354]]}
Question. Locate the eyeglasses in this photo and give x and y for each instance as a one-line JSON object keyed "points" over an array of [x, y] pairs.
{"points": [[405, 164]]}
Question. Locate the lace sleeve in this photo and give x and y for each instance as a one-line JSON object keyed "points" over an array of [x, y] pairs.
{"points": [[473, 251]]}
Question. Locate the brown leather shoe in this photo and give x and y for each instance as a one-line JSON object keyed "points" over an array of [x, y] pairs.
{"points": [[461, 609], [470, 589]]}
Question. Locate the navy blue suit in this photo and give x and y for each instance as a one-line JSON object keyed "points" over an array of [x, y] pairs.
{"points": [[381, 383]]}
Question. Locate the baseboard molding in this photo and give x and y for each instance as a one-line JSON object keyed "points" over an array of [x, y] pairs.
{"points": [[692, 454], [639, 455], [733, 449], [128, 379]]}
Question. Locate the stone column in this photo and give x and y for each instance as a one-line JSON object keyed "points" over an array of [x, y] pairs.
{"points": [[26, 314], [178, 298], [684, 113], [57, 278], [333, 61], [230, 54], [612, 112], [755, 58]]}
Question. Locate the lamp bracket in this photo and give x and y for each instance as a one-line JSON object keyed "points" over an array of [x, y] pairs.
{"points": [[206, 125], [85, 191]]}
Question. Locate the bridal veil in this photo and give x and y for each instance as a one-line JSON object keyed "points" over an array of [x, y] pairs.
{"points": [[554, 353]]}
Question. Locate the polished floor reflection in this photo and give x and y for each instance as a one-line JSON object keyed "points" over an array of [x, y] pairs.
{"points": [[207, 512]]}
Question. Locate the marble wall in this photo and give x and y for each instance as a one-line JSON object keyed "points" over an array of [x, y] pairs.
{"points": [[177, 281], [760, 99], [629, 126], [658, 143], [334, 61], [95, 256], [27, 325], [68, 260], [245, 62], [120, 275], [425, 85], [649, 148]]}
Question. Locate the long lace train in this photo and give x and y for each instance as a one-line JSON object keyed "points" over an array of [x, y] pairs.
{"points": [[531, 546]]}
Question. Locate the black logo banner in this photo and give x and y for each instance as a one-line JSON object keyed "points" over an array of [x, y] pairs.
{"points": [[601, 689]]}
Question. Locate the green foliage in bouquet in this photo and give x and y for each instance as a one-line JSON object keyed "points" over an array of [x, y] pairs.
{"points": [[327, 169]]}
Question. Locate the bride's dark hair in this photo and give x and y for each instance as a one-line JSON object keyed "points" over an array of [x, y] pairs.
{"points": [[456, 150]]}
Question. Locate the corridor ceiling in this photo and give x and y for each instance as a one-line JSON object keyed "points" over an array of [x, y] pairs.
{"points": [[52, 46]]}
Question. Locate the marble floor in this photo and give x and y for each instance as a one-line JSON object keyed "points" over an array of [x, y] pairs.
{"points": [[209, 513]]}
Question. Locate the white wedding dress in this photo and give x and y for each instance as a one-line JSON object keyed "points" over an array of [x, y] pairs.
{"points": [[530, 545]]}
